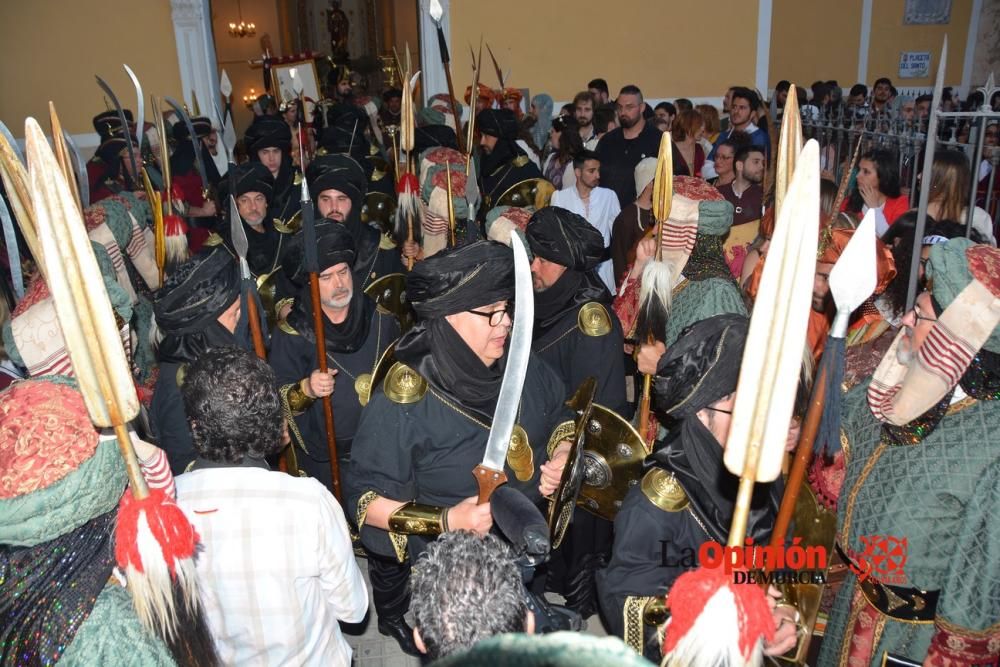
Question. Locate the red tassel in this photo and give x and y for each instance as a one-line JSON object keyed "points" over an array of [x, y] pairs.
{"points": [[690, 594], [168, 524]]}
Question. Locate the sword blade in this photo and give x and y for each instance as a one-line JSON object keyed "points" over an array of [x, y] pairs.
{"points": [[121, 118], [199, 162], [239, 236], [80, 167], [517, 361], [140, 108]]}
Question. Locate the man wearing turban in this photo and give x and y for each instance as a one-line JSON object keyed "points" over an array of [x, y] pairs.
{"points": [[338, 185], [357, 333], [917, 512], [686, 496], [197, 309], [269, 141], [426, 427], [578, 335], [504, 162]]}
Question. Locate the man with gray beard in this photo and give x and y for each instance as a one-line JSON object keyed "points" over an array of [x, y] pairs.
{"points": [[357, 332]]}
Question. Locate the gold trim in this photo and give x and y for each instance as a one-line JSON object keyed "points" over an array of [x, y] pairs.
{"points": [[852, 496], [363, 388], [593, 320], [212, 241], [520, 457], [663, 490], [286, 327], [563, 431], [298, 400], [182, 370], [404, 385], [418, 519], [634, 627]]}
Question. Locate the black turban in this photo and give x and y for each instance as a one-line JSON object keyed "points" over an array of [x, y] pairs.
{"points": [[268, 132], [392, 93], [566, 238], [500, 123], [110, 147], [107, 123], [430, 136], [198, 292], [202, 128], [460, 279], [334, 245], [251, 177], [702, 367], [337, 172]]}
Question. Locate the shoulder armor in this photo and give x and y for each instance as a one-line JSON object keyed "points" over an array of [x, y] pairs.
{"points": [[593, 319], [386, 242], [298, 178], [287, 328], [663, 490], [521, 160], [181, 374], [213, 240], [404, 385]]}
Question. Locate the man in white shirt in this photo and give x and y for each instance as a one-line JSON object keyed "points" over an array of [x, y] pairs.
{"points": [[278, 571], [599, 206]]}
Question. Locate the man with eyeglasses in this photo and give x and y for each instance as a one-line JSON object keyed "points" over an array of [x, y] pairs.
{"points": [[687, 496], [621, 149], [922, 471], [426, 427], [578, 335]]}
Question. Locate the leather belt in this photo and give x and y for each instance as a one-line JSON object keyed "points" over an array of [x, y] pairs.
{"points": [[902, 604]]}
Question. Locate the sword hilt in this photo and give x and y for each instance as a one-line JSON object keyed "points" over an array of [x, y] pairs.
{"points": [[488, 480]]}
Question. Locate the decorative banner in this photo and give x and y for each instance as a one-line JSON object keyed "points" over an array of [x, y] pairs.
{"points": [[914, 64]]}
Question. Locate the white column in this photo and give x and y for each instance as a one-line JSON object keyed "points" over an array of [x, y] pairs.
{"points": [[864, 43], [196, 53], [432, 76], [970, 47], [763, 45]]}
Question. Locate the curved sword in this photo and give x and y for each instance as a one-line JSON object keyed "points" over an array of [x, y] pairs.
{"points": [[140, 110], [489, 474], [199, 162], [125, 131], [80, 167]]}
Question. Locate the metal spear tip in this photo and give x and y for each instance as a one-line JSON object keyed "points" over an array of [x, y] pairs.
{"points": [[436, 11], [225, 85]]}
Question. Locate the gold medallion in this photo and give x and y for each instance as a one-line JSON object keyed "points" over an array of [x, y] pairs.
{"points": [[363, 387], [520, 458]]}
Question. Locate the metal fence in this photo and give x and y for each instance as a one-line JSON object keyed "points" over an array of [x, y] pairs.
{"points": [[974, 133]]}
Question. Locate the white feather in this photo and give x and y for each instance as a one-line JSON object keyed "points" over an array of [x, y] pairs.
{"points": [[714, 639]]}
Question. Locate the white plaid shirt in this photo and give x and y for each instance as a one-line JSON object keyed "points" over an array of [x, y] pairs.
{"points": [[277, 570]]}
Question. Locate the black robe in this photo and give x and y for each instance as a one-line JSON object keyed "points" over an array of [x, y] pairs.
{"points": [[293, 357], [168, 419], [426, 450], [507, 165], [575, 355]]}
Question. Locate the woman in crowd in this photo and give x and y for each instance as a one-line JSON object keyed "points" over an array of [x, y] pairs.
{"points": [[566, 143], [876, 187]]}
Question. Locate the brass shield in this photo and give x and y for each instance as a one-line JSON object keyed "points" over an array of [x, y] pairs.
{"points": [[564, 499], [389, 292], [612, 462], [533, 192], [378, 209], [266, 285]]}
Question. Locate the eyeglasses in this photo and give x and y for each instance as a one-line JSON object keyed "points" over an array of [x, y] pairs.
{"points": [[918, 316], [496, 317]]}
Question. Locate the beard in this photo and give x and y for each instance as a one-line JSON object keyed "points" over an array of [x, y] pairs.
{"points": [[339, 299], [628, 123]]}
